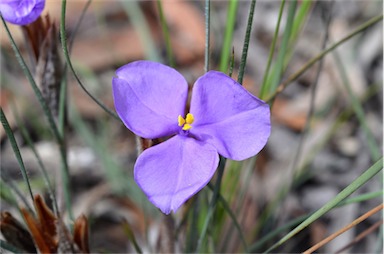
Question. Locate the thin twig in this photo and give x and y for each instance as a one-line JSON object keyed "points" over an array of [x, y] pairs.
{"points": [[361, 236], [344, 229]]}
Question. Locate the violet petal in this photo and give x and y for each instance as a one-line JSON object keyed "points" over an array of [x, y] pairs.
{"points": [[227, 116], [21, 12], [149, 97], [173, 171]]}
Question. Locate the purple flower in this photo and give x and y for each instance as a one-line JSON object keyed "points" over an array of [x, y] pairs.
{"points": [[21, 12], [224, 118]]}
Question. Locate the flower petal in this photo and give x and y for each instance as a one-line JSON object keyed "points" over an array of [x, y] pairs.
{"points": [[149, 97], [21, 12], [227, 116], [173, 171]]}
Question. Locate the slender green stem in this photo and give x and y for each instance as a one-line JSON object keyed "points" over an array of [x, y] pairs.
{"points": [[207, 34], [16, 150], [311, 62], [166, 34], [246, 42], [63, 37], [212, 206], [264, 87]]}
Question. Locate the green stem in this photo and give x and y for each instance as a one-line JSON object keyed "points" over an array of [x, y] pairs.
{"points": [[207, 34], [246, 42], [63, 37]]}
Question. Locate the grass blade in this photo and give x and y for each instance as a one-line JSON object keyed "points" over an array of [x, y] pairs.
{"points": [[212, 205], [275, 77], [43, 170], [246, 42], [358, 109], [356, 184], [166, 34], [228, 35], [264, 87], [133, 10], [16, 150]]}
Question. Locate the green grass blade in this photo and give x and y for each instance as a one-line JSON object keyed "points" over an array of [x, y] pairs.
{"points": [[42, 168], [226, 207], [7, 194], [131, 236], [361, 198], [207, 12], [136, 15], [244, 54], [167, 37], [356, 184], [15, 147], [228, 35], [212, 205], [358, 109], [275, 77], [264, 87], [302, 14]]}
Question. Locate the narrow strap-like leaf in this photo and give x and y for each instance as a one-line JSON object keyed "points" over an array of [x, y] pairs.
{"points": [[15, 147]]}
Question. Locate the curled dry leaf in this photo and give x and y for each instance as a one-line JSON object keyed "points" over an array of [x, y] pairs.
{"points": [[47, 232], [15, 233]]}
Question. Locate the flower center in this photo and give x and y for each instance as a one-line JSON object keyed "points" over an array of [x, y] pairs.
{"points": [[186, 123]]}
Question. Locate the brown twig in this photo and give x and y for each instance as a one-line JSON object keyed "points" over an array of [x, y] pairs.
{"points": [[344, 229], [361, 236]]}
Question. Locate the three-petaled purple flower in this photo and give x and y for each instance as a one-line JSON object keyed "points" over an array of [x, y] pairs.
{"points": [[150, 98], [21, 12]]}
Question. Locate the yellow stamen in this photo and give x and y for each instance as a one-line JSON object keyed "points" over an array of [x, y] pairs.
{"points": [[189, 119], [186, 127], [181, 120], [186, 123]]}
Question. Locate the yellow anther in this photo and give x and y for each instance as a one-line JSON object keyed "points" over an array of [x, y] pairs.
{"points": [[186, 127], [189, 119], [181, 120], [186, 123]]}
